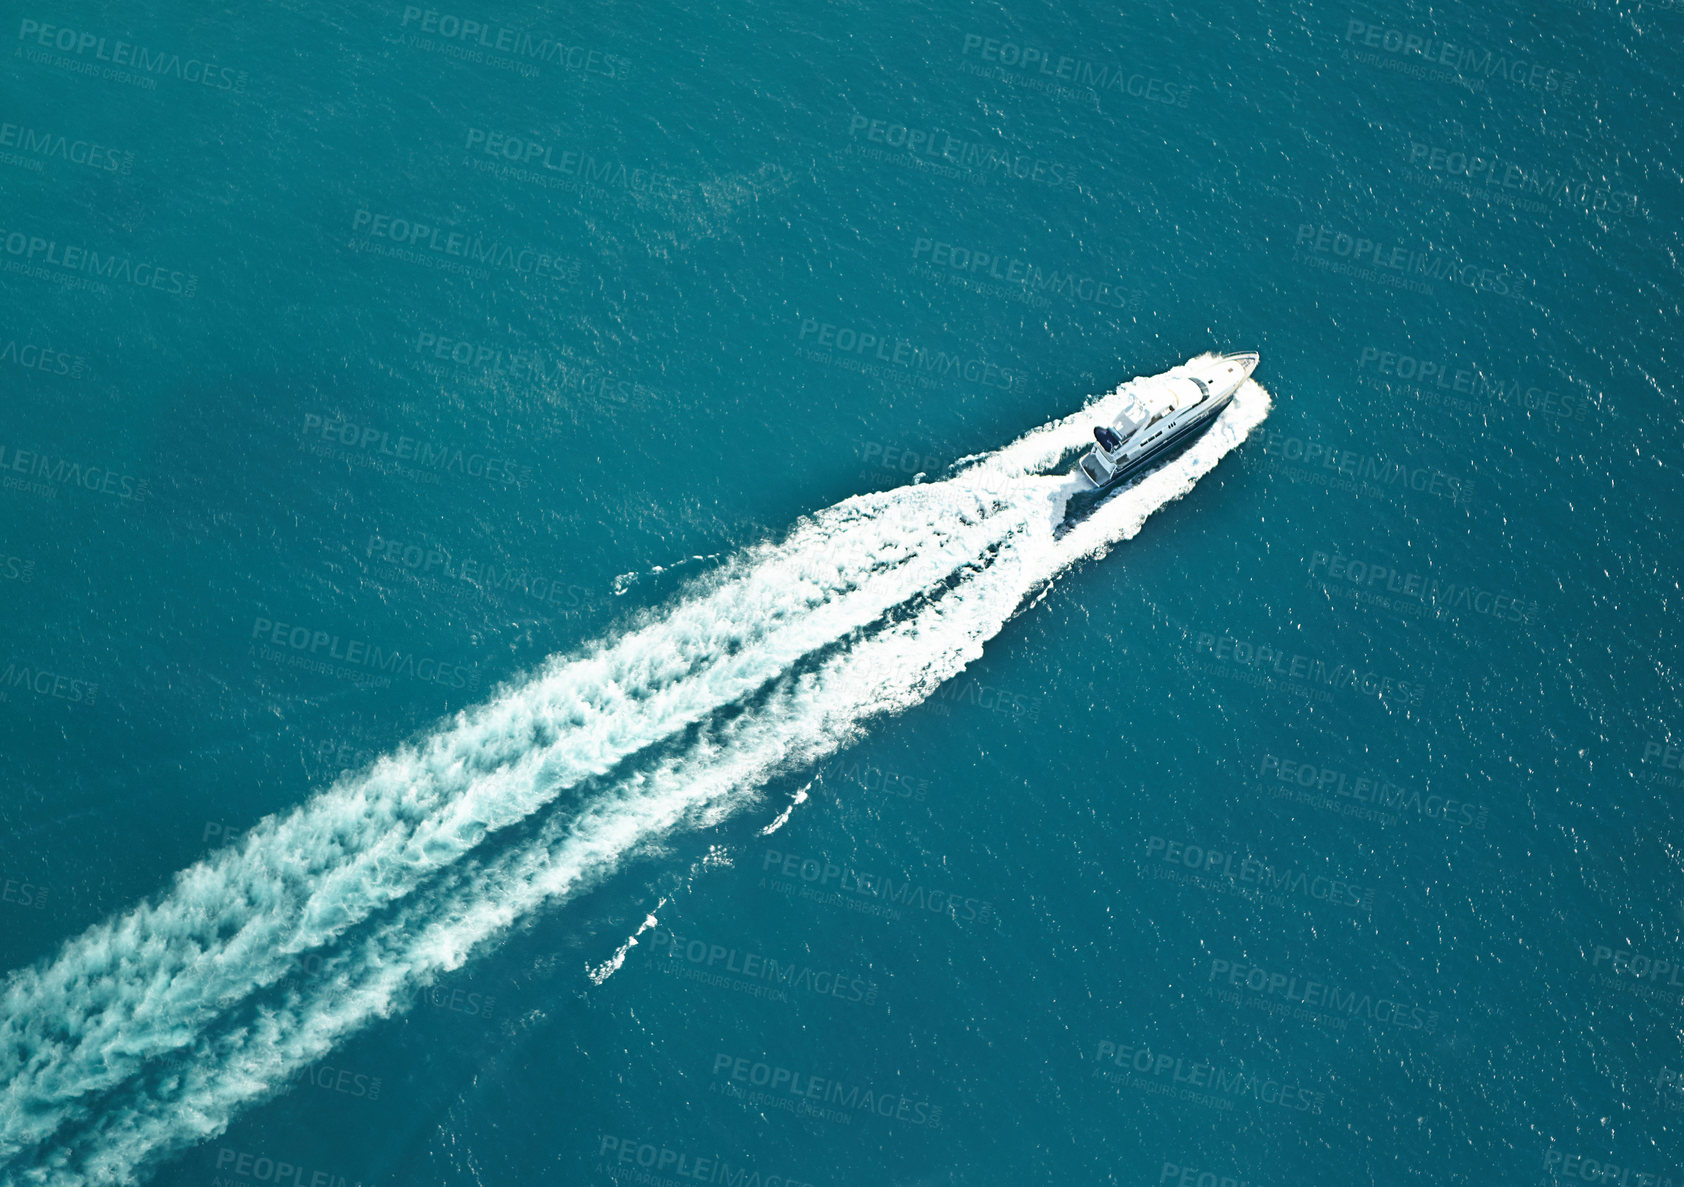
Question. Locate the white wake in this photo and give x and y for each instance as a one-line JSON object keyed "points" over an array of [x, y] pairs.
{"points": [[151, 1031]]}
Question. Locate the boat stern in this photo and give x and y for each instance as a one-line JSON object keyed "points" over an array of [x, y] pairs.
{"points": [[1097, 467]]}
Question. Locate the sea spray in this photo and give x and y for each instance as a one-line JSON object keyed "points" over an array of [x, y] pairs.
{"points": [[152, 1031]]}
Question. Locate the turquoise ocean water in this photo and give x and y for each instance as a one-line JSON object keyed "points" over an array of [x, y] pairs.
{"points": [[357, 360]]}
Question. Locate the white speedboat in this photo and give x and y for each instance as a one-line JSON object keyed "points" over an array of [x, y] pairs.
{"points": [[1163, 412]]}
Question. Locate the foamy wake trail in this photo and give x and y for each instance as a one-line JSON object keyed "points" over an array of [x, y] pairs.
{"points": [[405, 871], [139, 986]]}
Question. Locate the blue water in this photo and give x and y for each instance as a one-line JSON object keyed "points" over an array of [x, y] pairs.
{"points": [[359, 361]]}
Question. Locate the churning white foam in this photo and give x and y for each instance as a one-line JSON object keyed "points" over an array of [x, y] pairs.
{"points": [[151, 1031]]}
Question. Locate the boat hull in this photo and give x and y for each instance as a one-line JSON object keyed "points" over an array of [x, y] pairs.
{"points": [[1180, 437]]}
